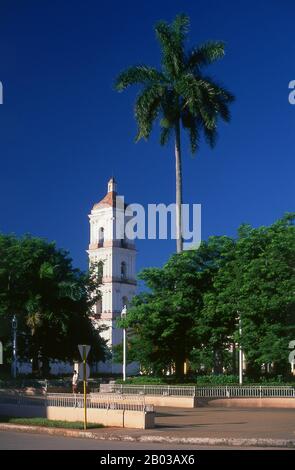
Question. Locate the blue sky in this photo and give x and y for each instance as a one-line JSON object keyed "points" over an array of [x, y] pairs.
{"points": [[64, 130]]}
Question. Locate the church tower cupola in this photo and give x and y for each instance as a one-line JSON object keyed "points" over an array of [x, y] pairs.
{"points": [[112, 185]]}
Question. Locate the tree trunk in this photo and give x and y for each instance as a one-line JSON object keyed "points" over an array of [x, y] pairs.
{"points": [[178, 171], [35, 363], [45, 369], [218, 360], [253, 370], [179, 367]]}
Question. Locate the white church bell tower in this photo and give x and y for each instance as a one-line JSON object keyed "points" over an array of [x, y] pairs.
{"points": [[118, 256]]}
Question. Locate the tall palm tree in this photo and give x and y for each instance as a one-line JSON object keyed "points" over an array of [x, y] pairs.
{"points": [[179, 94]]}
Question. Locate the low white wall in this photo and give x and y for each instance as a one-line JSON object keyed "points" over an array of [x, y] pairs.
{"points": [[139, 420], [56, 367], [110, 367], [100, 416], [112, 418]]}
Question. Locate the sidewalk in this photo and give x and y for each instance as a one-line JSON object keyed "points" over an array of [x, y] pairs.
{"points": [[202, 426]]}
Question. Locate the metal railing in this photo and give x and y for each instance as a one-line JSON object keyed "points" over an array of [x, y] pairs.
{"points": [[100, 401], [68, 400], [250, 391], [155, 390], [229, 391]]}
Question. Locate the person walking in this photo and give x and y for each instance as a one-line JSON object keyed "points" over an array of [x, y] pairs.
{"points": [[75, 381]]}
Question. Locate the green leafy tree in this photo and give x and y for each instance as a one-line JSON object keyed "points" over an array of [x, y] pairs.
{"points": [[256, 282], [266, 263], [166, 320], [215, 325], [179, 94], [192, 306], [51, 299]]}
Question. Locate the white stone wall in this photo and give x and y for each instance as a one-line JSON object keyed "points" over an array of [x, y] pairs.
{"points": [[56, 367]]}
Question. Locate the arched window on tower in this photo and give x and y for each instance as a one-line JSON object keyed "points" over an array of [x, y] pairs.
{"points": [[101, 236], [123, 270]]}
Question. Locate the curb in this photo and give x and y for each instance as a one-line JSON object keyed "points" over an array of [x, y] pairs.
{"points": [[109, 436]]}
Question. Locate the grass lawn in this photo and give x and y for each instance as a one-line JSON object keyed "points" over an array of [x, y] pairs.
{"points": [[49, 423]]}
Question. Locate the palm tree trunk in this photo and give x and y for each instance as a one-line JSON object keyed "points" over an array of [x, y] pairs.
{"points": [[178, 171]]}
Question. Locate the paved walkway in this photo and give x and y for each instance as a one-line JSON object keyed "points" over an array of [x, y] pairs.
{"points": [[219, 423], [198, 426], [228, 422]]}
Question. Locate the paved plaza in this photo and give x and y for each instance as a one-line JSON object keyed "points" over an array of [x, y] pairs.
{"points": [[212, 426]]}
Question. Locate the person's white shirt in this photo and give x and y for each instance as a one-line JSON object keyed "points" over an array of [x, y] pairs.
{"points": [[75, 379]]}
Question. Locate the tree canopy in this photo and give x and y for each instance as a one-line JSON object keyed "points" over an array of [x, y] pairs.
{"points": [[180, 91], [51, 300], [191, 308]]}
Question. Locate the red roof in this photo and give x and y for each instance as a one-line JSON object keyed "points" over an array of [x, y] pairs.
{"points": [[108, 201]]}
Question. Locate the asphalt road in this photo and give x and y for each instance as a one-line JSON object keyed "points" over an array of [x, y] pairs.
{"points": [[30, 441]]}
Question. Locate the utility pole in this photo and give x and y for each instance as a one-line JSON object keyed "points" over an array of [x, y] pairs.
{"points": [[123, 315], [240, 353], [84, 373], [14, 346], [84, 386]]}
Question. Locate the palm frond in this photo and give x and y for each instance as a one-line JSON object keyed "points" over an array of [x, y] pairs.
{"points": [[34, 313], [220, 90], [71, 290], [179, 91], [165, 135], [139, 74], [147, 109], [210, 136], [180, 27], [204, 98], [191, 124], [220, 98], [205, 54], [172, 48], [198, 98], [194, 139], [34, 321], [223, 111]]}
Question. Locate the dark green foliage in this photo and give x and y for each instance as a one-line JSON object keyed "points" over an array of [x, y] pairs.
{"points": [[179, 91], [205, 380], [166, 320], [50, 298], [193, 303]]}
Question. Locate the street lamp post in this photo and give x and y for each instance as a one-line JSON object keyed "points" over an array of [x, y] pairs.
{"points": [[240, 353], [14, 346], [123, 315]]}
